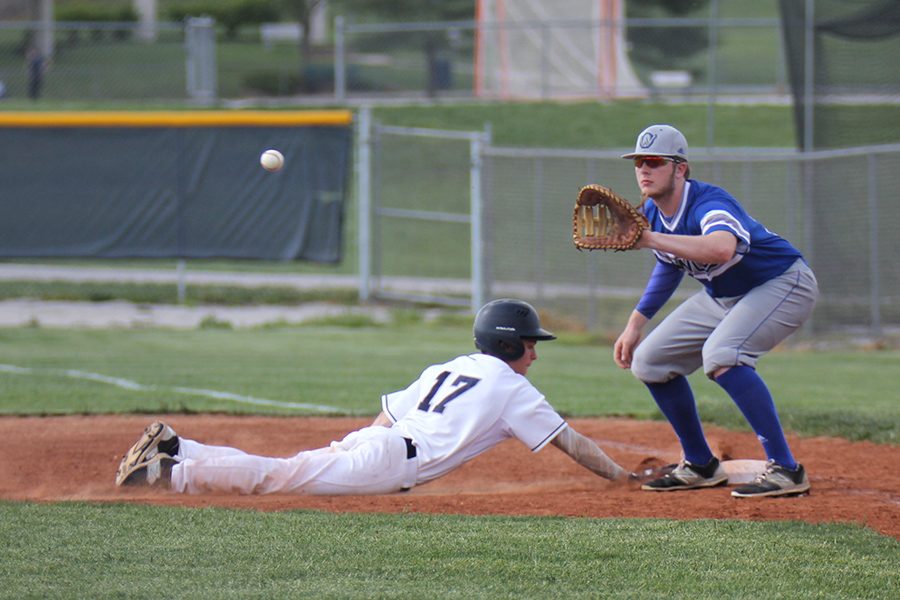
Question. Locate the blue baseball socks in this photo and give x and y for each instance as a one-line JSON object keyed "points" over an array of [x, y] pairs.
{"points": [[751, 395], [676, 401], [753, 398]]}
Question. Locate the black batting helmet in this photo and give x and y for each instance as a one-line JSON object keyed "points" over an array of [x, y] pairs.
{"points": [[501, 325]]}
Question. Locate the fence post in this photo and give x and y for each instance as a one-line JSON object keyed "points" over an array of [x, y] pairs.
{"points": [[713, 74], [477, 249], [487, 195], [809, 218], [540, 228], [340, 67], [181, 283], [874, 260], [545, 59], [364, 198], [45, 35], [200, 42], [809, 78]]}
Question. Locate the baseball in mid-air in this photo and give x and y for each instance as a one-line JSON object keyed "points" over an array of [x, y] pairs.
{"points": [[271, 160]]}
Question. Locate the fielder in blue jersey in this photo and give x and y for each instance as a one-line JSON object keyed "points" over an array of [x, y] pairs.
{"points": [[757, 291]]}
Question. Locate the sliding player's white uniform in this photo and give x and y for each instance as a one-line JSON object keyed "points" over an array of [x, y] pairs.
{"points": [[452, 413]]}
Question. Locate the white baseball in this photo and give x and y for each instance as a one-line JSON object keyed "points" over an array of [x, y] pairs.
{"points": [[271, 160]]}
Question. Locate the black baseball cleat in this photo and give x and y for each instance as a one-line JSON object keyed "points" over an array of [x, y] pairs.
{"points": [[151, 458], [775, 481], [688, 476], [155, 472]]}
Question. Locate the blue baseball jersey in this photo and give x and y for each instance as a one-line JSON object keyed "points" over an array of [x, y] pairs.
{"points": [[760, 256]]}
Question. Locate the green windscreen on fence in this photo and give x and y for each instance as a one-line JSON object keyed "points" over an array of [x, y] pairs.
{"points": [[852, 48], [184, 185]]}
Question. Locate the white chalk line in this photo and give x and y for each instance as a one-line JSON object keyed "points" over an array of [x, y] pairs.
{"points": [[135, 386], [139, 387], [634, 448]]}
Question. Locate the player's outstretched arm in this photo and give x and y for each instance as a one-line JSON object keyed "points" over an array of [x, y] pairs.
{"points": [[588, 454], [382, 420]]}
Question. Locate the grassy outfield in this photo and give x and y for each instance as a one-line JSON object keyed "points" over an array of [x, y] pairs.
{"points": [[76, 550], [596, 125], [345, 369]]}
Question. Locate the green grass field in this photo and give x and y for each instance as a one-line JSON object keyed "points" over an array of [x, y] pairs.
{"points": [[77, 550], [347, 365]]}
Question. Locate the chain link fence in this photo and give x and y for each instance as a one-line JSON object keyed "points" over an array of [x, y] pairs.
{"points": [[710, 60], [553, 59], [833, 205], [93, 61]]}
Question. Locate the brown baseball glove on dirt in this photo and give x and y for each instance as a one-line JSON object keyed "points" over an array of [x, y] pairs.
{"points": [[603, 220], [649, 469]]}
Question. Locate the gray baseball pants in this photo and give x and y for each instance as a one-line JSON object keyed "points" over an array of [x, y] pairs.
{"points": [[726, 332]]}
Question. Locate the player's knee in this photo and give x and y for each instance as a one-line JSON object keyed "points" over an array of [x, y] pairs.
{"points": [[716, 358], [645, 368]]}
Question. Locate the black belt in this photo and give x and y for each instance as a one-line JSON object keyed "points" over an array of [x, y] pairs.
{"points": [[410, 448]]}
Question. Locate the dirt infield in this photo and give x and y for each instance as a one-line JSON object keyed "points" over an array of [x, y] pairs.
{"points": [[75, 458]]}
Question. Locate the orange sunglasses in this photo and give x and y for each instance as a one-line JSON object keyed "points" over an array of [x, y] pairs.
{"points": [[654, 162]]}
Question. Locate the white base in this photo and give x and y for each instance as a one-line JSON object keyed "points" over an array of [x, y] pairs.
{"points": [[743, 470]]}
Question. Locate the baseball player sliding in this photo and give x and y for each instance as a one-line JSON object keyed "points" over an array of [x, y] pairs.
{"points": [[757, 291], [452, 413]]}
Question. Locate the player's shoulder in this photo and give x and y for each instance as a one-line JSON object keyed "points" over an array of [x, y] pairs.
{"points": [[455, 363], [704, 197], [487, 365], [470, 364], [702, 192]]}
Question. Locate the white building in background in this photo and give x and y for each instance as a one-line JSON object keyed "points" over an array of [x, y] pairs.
{"points": [[560, 49], [148, 15]]}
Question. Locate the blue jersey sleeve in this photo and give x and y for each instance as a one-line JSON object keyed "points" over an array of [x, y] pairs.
{"points": [[663, 282]]}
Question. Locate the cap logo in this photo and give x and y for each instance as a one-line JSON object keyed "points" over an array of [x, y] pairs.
{"points": [[647, 140], [502, 328]]}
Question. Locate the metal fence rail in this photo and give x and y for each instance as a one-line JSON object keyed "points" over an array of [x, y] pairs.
{"points": [[431, 214], [833, 205]]}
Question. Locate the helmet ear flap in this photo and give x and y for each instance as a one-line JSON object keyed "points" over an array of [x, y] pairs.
{"points": [[510, 350], [504, 349]]}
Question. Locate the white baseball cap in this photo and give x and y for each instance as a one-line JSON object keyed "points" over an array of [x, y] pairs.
{"points": [[660, 140]]}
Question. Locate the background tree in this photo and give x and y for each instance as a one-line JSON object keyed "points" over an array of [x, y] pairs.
{"points": [[302, 12], [232, 15], [662, 48], [433, 43]]}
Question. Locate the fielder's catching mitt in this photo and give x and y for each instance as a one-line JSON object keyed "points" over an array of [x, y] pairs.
{"points": [[603, 220], [649, 469]]}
